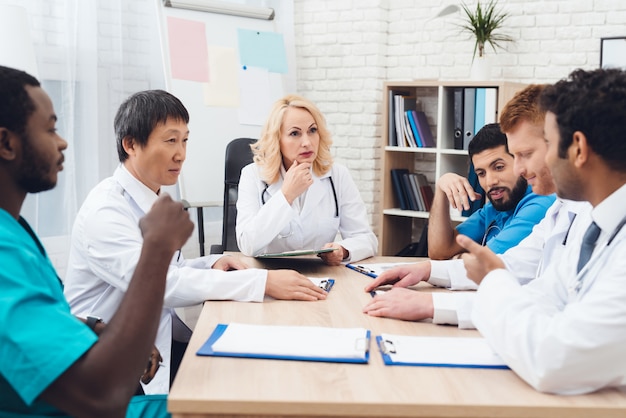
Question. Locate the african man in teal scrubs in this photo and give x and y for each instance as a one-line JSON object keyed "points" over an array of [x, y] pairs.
{"points": [[52, 363]]}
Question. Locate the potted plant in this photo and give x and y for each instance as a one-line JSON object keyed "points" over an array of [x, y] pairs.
{"points": [[485, 23]]}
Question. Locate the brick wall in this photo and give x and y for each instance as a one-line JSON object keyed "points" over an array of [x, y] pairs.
{"points": [[345, 49]]}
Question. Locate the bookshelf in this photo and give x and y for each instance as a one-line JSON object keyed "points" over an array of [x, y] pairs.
{"points": [[400, 227]]}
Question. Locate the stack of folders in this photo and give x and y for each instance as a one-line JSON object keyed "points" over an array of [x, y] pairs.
{"points": [[336, 345], [473, 108], [400, 350], [412, 190]]}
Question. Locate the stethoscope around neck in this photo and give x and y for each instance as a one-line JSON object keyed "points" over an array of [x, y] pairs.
{"points": [[332, 186]]}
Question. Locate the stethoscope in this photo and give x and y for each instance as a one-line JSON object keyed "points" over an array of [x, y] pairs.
{"points": [[332, 185], [491, 226]]}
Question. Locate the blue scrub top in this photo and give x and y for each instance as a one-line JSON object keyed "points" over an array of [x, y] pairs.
{"points": [[502, 230]]}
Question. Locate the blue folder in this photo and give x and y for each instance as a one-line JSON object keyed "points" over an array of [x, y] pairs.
{"points": [[207, 350], [386, 352]]}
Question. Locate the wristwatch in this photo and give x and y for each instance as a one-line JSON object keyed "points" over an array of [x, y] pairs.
{"points": [[92, 321]]}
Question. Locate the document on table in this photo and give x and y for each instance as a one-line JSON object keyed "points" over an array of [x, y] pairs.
{"points": [[438, 351], [341, 345], [373, 269], [295, 253]]}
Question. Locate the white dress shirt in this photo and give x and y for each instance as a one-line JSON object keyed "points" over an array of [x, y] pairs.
{"points": [[565, 332], [526, 260], [309, 222], [105, 247]]}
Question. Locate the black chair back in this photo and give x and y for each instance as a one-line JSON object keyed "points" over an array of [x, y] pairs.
{"points": [[238, 155]]}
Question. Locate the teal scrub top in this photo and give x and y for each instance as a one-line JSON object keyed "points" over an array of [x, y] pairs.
{"points": [[39, 337]]}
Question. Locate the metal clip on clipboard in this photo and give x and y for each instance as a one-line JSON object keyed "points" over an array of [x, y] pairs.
{"points": [[386, 346]]}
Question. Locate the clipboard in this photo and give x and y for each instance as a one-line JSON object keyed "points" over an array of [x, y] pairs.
{"points": [[295, 253], [400, 350], [323, 282], [320, 344], [373, 269]]}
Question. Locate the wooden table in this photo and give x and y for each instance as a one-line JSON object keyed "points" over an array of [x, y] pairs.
{"points": [[231, 387]]}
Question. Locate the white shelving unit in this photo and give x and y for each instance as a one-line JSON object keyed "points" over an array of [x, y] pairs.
{"points": [[400, 227]]}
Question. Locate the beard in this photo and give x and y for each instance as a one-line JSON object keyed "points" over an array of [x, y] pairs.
{"points": [[515, 195], [33, 174]]}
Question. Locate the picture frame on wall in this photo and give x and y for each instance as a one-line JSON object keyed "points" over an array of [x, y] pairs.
{"points": [[613, 52]]}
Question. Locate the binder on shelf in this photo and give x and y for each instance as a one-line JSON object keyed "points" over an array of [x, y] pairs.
{"points": [[469, 103], [416, 135], [408, 103], [408, 131], [398, 188], [479, 109], [400, 139], [400, 350], [458, 117], [394, 139], [491, 105], [412, 198], [425, 190], [426, 135], [416, 191], [305, 343]]}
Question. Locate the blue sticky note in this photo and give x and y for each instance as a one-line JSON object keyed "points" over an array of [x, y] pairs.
{"points": [[263, 50]]}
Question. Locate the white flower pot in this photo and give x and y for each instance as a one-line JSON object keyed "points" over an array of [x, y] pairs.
{"points": [[481, 69]]}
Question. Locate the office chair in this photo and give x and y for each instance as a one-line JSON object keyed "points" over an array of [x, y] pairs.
{"points": [[238, 155]]}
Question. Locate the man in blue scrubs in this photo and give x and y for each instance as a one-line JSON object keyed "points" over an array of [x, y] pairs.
{"points": [[52, 363], [507, 218]]}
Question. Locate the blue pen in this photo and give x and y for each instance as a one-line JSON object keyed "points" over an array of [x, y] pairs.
{"points": [[362, 270]]}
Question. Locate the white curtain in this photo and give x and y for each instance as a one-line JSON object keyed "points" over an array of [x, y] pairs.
{"points": [[91, 55]]}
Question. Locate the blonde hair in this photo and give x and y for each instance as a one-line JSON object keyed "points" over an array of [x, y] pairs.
{"points": [[266, 150]]}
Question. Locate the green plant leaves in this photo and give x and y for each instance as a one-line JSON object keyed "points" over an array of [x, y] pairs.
{"points": [[483, 23]]}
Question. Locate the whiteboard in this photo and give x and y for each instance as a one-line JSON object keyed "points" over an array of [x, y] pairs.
{"points": [[211, 127]]}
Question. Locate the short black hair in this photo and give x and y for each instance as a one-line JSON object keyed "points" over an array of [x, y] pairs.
{"points": [[141, 113], [594, 103], [488, 137], [16, 106]]}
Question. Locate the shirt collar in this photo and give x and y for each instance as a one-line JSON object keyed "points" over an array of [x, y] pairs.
{"points": [[139, 192], [610, 212]]}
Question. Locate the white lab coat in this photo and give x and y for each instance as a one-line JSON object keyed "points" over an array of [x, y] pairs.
{"points": [[105, 247], [527, 260], [309, 223], [565, 332]]}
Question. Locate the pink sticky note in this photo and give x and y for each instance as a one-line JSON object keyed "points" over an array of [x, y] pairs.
{"points": [[189, 57]]}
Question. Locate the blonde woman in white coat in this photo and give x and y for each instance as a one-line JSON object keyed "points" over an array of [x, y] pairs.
{"points": [[294, 197]]}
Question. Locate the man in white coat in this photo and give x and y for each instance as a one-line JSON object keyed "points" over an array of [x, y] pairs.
{"points": [[522, 120], [152, 132], [565, 332]]}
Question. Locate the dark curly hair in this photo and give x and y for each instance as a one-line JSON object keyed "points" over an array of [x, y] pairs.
{"points": [[594, 103], [16, 106]]}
